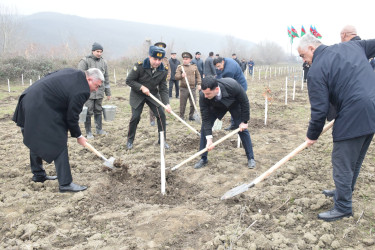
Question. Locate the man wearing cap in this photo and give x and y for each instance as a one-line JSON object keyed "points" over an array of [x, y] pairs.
{"points": [[197, 61], [173, 62], [148, 77], [94, 103], [194, 79], [166, 66]]}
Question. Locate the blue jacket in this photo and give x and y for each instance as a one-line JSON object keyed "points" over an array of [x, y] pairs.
{"points": [[233, 70], [341, 74]]}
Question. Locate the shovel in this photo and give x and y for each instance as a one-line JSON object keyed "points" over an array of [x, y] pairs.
{"points": [[205, 149], [175, 115], [107, 162], [196, 116], [244, 187]]}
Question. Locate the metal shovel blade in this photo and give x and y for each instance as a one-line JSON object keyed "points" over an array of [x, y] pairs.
{"points": [[237, 190], [197, 118], [109, 163]]}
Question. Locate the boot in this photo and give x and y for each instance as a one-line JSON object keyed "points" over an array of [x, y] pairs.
{"points": [[88, 127], [98, 124]]}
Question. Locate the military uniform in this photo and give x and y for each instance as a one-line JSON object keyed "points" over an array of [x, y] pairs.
{"points": [[94, 104], [142, 75], [194, 79]]}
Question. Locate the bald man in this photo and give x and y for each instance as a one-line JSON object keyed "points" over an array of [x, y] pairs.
{"points": [[349, 32]]}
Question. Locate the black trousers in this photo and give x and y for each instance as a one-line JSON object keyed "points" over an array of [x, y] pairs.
{"points": [[136, 117], [347, 158], [62, 166], [177, 87]]}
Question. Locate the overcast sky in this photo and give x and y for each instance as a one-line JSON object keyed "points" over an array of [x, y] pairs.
{"points": [[255, 21]]}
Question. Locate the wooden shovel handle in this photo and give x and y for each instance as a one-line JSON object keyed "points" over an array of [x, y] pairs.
{"points": [[288, 157], [92, 149], [205, 149], [173, 113], [188, 85]]}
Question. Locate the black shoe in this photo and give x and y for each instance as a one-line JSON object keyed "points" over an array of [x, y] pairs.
{"points": [[329, 193], [200, 164], [129, 145], [251, 163], [191, 119], [72, 187], [333, 215], [230, 128], [39, 178]]}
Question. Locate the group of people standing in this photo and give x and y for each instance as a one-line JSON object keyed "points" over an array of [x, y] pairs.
{"points": [[50, 108]]}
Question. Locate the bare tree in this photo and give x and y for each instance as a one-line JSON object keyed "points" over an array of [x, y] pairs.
{"points": [[268, 52], [9, 29]]}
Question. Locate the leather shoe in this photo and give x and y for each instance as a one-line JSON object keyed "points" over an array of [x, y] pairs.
{"points": [[200, 164], [329, 193], [191, 119], [72, 187], [40, 178], [129, 145], [251, 163], [230, 128], [333, 215]]}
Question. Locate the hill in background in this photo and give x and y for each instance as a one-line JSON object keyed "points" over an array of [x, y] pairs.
{"points": [[120, 38]]}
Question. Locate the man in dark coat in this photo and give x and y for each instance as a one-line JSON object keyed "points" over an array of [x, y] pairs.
{"points": [[209, 67], [198, 61], [341, 75], [218, 96], [46, 111], [148, 77], [173, 62], [230, 68]]}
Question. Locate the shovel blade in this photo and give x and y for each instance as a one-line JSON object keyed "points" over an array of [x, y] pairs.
{"points": [[237, 190], [197, 118], [109, 163]]}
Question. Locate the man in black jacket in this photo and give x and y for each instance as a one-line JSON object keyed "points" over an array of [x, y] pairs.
{"points": [[218, 96], [173, 63], [46, 111], [341, 75]]}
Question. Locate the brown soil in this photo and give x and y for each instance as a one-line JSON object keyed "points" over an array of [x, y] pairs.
{"points": [[124, 208]]}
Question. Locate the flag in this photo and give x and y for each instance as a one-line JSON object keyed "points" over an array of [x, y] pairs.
{"points": [[290, 35], [303, 32], [311, 30], [317, 34], [294, 32]]}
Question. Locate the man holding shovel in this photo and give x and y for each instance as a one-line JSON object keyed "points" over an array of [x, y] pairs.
{"points": [[191, 73], [341, 75], [46, 111], [148, 77], [218, 96]]}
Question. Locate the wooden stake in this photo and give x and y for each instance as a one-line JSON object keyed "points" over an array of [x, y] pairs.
{"points": [[162, 163]]}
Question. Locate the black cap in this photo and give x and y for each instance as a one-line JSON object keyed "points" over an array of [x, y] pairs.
{"points": [[160, 44], [97, 46], [197, 53]]}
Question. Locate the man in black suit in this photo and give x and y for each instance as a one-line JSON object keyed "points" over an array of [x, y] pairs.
{"points": [[218, 96], [46, 111]]}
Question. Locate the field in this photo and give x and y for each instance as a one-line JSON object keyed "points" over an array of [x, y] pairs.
{"points": [[124, 208]]}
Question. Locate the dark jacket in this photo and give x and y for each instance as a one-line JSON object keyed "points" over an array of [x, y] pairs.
{"points": [[49, 108], [251, 64], [173, 63], [232, 95], [233, 70], [92, 61], [199, 64], [209, 68], [341, 74], [141, 74]]}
